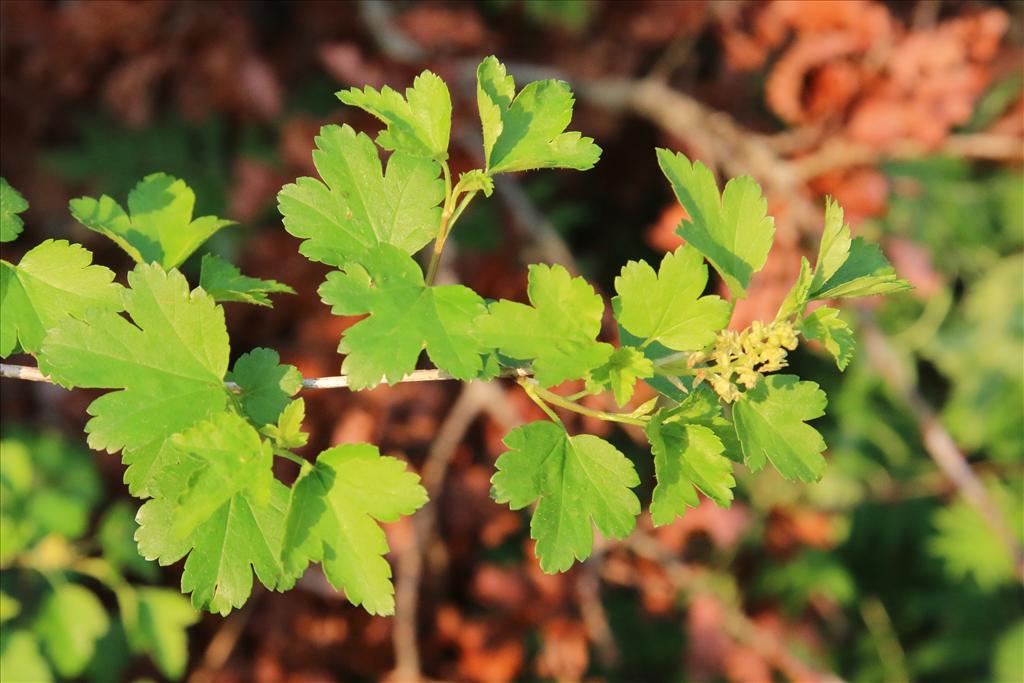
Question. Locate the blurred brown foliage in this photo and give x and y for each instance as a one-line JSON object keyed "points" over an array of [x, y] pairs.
{"points": [[860, 72]]}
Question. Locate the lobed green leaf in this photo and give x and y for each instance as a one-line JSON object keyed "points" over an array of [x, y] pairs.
{"points": [[771, 423], [11, 204], [168, 363], [406, 316], [333, 517], [667, 306], [527, 131], [158, 227], [54, 282], [418, 124], [558, 332], [359, 205], [732, 230], [225, 282], [577, 481]]}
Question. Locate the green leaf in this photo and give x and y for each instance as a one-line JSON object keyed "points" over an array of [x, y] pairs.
{"points": [[732, 230], [835, 245], [70, 621], [53, 282], [667, 307], [159, 628], [825, 325], [558, 333], [526, 131], [11, 204], [687, 457], [224, 282], [21, 658], [333, 518], [771, 423], [866, 272], [169, 363], [267, 386], [405, 316], [224, 456], [702, 407], [418, 124], [287, 433], [158, 226], [624, 367], [577, 480], [242, 535], [796, 299], [361, 206]]}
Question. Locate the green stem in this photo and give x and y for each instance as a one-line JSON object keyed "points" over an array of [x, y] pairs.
{"points": [[529, 387], [449, 214], [447, 181], [288, 455], [460, 208], [562, 402]]}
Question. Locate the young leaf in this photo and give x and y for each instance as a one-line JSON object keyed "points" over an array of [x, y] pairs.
{"points": [[11, 204], [797, 297], [158, 226], [476, 181], [558, 333], [405, 316], [333, 518], [577, 481], [243, 535], [667, 307], [54, 281], [834, 247], [526, 131], [361, 206], [864, 273], [825, 325], [68, 625], [267, 386], [287, 433], [224, 282], [771, 423], [169, 364], [687, 457], [418, 124], [732, 230], [624, 367]]}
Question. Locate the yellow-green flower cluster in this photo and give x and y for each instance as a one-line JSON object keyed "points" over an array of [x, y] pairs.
{"points": [[742, 358]]}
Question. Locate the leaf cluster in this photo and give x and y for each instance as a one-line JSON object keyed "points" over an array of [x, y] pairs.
{"points": [[199, 436]]}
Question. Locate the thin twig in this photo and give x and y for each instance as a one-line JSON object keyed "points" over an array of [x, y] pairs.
{"points": [[32, 374]]}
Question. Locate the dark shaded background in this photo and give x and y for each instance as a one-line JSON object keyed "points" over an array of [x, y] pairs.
{"points": [[909, 113]]}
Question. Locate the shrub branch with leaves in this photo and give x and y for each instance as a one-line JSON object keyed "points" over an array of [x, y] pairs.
{"points": [[199, 438]]}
